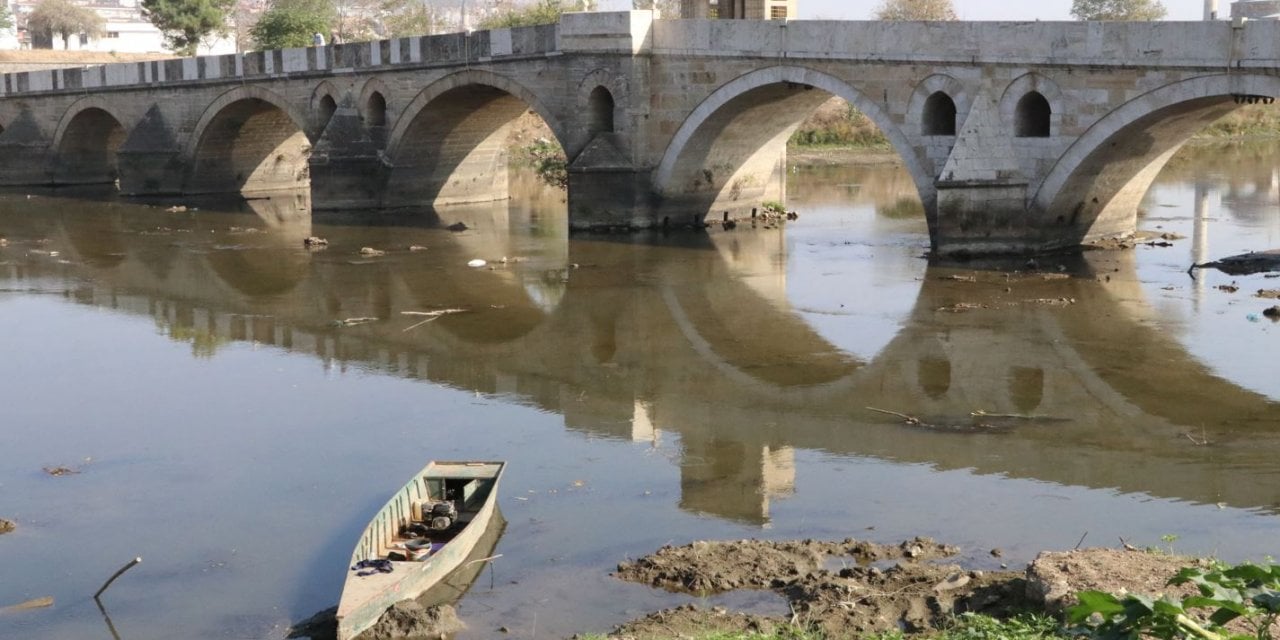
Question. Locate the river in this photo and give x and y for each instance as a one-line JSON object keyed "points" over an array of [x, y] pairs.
{"points": [[226, 416]]}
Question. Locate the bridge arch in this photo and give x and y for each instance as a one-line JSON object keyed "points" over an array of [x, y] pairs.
{"points": [[599, 113], [747, 122], [927, 92], [1096, 185], [448, 145], [86, 141], [375, 105], [249, 140], [1016, 94], [324, 104]]}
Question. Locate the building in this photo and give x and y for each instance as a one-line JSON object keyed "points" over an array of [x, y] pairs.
{"points": [[126, 30], [1256, 9], [739, 9]]}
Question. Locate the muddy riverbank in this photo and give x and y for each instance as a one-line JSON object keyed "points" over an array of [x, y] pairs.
{"points": [[853, 588]]}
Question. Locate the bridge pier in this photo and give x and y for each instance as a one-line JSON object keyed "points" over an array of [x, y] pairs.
{"points": [[611, 198], [983, 217], [347, 168]]}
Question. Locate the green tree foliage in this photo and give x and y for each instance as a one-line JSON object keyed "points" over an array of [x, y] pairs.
{"points": [[541, 12], [185, 23], [6, 18], [916, 10], [62, 18], [293, 23], [1117, 9]]}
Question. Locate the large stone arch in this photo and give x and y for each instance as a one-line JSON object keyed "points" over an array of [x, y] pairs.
{"points": [[448, 145], [695, 128], [85, 142], [462, 79], [1094, 188], [249, 140]]}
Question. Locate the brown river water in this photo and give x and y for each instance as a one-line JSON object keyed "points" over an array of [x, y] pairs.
{"points": [[226, 426]]}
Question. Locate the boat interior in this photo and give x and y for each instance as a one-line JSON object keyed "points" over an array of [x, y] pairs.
{"points": [[422, 517]]}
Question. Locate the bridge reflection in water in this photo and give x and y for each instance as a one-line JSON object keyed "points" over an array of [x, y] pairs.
{"points": [[695, 337]]}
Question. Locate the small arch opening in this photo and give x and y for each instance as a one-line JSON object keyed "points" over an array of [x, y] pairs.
{"points": [[1033, 116], [939, 118], [600, 106], [327, 108], [375, 111]]}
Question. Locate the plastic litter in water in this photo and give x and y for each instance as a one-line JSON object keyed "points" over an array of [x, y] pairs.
{"points": [[477, 263]]}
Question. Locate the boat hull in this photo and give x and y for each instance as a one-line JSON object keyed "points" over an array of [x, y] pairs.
{"points": [[365, 599]]}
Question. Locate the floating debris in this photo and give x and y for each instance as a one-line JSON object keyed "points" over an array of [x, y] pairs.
{"points": [[477, 263], [457, 226], [176, 209], [7, 526], [370, 251], [417, 247], [35, 603], [351, 322], [314, 242]]}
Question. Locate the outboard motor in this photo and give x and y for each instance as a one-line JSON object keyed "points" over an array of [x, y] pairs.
{"points": [[443, 515]]}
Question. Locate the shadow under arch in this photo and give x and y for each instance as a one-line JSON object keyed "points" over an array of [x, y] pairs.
{"points": [[747, 122], [448, 145], [85, 143], [1095, 187], [249, 140]]}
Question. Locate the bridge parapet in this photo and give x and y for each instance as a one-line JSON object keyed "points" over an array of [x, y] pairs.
{"points": [[1215, 44], [419, 51]]}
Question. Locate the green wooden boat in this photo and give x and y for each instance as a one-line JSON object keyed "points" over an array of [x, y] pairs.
{"points": [[422, 534]]}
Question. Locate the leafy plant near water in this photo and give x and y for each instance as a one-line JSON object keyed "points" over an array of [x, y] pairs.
{"points": [[773, 206], [548, 161], [1247, 593]]}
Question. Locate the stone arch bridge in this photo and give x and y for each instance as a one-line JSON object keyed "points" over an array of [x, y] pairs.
{"points": [[1018, 136]]}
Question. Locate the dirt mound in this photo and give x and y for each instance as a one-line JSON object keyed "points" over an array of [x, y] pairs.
{"points": [[1054, 577], [878, 588], [714, 567], [409, 619]]}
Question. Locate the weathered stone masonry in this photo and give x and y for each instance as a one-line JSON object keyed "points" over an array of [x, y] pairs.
{"points": [[1019, 136]]}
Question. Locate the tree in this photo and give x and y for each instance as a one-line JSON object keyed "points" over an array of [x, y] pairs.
{"points": [[293, 23], [542, 12], [402, 18], [185, 23], [916, 10], [61, 17], [1117, 9], [6, 18]]}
